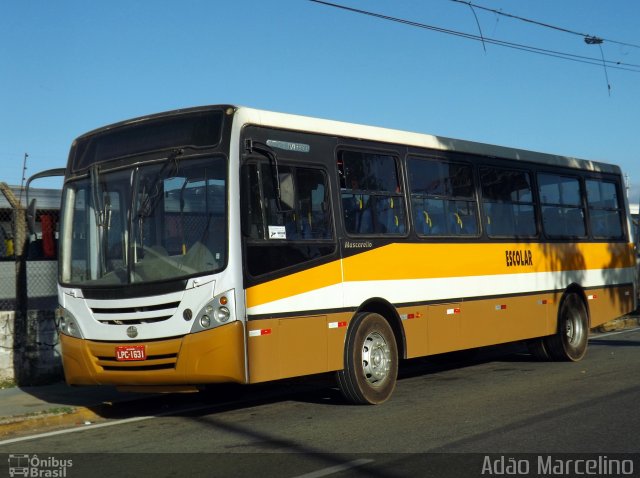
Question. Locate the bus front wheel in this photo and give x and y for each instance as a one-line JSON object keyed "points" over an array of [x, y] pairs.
{"points": [[370, 360], [570, 342]]}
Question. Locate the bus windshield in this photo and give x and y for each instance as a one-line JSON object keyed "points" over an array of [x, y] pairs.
{"points": [[156, 222]]}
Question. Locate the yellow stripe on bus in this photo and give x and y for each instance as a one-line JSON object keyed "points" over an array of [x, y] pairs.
{"points": [[293, 284], [418, 261]]}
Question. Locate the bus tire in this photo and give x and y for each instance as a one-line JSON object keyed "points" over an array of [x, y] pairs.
{"points": [[569, 344], [370, 361]]}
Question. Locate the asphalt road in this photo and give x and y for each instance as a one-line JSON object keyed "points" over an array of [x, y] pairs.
{"points": [[446, 415]]}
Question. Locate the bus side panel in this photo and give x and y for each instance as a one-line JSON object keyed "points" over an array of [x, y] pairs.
{"points": [[444, 329], [296, 346], [503, 319], [608, 304], [303, 345], [414, 322], [262, 350], [337, 325]]}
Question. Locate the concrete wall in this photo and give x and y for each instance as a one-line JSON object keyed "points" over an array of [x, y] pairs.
{"points": [[6, 345], [29, 348], [7, 285]]}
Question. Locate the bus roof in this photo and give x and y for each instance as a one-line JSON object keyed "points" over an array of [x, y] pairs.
{"points": [[373, 133], [246, 115]]}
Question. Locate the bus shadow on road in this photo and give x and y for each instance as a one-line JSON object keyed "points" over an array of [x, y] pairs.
{"points": [[615, 343], [434, 364]]}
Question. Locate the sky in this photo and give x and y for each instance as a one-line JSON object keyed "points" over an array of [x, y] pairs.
{"points": [[70, 66]]}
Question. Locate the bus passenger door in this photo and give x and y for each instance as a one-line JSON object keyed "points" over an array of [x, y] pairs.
{"points": [[289, 253]]}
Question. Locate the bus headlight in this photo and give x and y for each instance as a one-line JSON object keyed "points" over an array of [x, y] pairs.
{"points": [[205, 322], [67, 323], [222, 314], [218, 311]]}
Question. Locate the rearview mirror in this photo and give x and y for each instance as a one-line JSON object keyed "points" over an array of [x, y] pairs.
{"points": [[287, 192], [31, 216]]}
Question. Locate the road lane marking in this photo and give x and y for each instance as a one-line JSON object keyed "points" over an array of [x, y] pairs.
{"points": [[124, 421], [335, 469], [73, 430]]}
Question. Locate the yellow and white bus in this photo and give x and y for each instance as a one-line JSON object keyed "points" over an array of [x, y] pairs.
{"points": [[229, 244]]}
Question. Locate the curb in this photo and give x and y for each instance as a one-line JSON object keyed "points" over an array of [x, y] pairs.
{"points": [[619, 324], [10, 427]]}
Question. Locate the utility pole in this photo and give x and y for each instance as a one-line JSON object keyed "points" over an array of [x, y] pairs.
{"points": [[24, 170]]}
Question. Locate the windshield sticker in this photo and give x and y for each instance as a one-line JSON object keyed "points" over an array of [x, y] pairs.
{"points": [[277, 232]]}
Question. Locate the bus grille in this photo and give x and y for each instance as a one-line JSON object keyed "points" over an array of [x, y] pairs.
{"points": [[135, 315], [158, 362], [161, 355]]}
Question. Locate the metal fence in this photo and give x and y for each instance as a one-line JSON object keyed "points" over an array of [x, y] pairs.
{"points": [[7, 261], [28, 293]]}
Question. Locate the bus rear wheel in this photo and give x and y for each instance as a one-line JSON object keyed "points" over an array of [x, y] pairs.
{"points": [[570, 342], [370, 361]]}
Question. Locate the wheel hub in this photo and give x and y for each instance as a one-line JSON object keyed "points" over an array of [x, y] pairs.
{"points": [[574, 330], [376, 358]]}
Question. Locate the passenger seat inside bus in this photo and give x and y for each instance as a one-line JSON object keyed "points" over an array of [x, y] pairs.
{"points": [[357, 214], [390, 217], [499, 219], [429, 223]]}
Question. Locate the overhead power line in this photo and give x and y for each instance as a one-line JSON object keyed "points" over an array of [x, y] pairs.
{"points": [[516, 46], [587, 37]]}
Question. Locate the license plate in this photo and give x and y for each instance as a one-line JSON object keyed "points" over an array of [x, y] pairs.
{"points": [[126, 353]]}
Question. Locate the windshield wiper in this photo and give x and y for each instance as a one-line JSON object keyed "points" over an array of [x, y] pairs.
{"points": [[150, 200], [98, 206], [100, 214]]}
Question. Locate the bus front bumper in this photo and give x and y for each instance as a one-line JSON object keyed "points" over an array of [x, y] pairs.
{"points": [[212, 356]]}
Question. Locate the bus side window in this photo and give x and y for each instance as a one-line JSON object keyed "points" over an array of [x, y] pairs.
{"points": [[277, 238], [349, 211], [508, 202], [314, 217], [372, 201], [562, 211], [605, 212], [443, 196]]}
